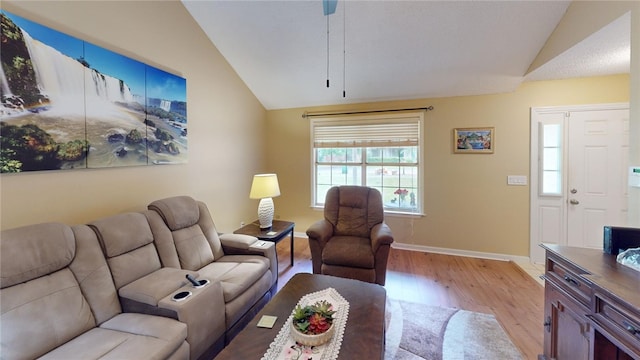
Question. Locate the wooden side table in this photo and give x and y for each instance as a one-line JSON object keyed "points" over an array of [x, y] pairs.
{"points": [[278, 231]]}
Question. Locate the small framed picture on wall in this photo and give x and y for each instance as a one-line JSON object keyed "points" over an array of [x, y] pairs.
{"points": [[479, 140]]}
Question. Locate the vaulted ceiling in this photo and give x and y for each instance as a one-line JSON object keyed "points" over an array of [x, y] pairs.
{"points": [[285, 51]]}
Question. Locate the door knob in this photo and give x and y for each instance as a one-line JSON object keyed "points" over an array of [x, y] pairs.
{"points": [[574, 202], [574, 191]]}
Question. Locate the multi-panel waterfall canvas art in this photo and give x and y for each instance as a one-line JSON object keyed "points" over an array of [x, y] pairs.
{"points": [[67, 104]]}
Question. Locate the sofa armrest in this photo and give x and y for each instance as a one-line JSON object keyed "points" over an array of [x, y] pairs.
{"points": [[204, 313], [320, 231], [237, 241], [380, 235], [319, 234], [152, 288], [239, 244]]}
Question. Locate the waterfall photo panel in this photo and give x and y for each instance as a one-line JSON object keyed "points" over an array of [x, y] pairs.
{"points": [[67, 104]]}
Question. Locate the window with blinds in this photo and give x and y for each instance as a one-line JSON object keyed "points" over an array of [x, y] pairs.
{"points": [[381, 151]]}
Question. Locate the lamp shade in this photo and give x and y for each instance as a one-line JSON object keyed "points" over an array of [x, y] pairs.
{"points": [[264, 186]]}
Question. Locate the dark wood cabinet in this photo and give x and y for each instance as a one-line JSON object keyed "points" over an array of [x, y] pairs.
{"points": [[567, 329], [592, 306]]}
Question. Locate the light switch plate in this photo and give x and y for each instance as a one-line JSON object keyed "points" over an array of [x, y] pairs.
{"points": [[634, 176], [520, 180]]}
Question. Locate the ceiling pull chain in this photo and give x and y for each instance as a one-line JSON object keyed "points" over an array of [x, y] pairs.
{"points": [[344, 49], [327, 50]]}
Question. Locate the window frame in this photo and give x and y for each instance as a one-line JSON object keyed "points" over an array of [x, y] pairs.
{"points": [[415, 118], [558, 160]]}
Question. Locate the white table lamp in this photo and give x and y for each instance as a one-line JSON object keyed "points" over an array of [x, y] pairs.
{"points": [[265, 187]]}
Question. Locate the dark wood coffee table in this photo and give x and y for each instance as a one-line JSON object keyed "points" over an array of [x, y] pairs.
{"points": [[363, 335]]}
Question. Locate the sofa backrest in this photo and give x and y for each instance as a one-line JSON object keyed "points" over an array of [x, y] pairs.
{"points": [[190, 229], [353, 210], [127, 243], [91, 269], [55, 285]]}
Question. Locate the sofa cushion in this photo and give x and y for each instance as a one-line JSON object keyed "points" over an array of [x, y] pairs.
{"points": [[254, 295], [353, 210], [93, 275], [178, 212], [133, 265], [193, 248], [126, 336], [236, 273], [349, 251], [163, 240], [42, 314], [352, 221], [25, 256], [122, 233], [127, 242]]}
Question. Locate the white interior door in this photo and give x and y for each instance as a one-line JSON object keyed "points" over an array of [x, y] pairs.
{"points": [[596, 174], [548, 222], [589, 191]]}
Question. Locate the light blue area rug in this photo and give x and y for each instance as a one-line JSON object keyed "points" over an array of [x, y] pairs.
{"points": [[417, 331]]}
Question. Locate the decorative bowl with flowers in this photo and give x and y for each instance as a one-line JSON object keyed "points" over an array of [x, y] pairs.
{"points": [[312, 325]]}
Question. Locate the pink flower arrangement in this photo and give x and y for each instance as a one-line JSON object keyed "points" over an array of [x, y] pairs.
{"points": [[401, 192]]}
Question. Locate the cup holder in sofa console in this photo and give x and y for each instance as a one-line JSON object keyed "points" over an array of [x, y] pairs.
{"points": [[181, 295], [196, 283], [202, 282]]}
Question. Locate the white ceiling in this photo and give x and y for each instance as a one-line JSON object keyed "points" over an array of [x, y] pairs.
{"points": [[390, 50]]}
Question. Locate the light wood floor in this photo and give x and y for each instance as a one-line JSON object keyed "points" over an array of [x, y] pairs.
{"points": [[494, 287]]}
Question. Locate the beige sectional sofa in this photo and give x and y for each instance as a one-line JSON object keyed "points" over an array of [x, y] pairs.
{"points": [[105, 290]]}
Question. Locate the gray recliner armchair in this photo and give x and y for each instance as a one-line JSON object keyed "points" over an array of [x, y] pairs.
{"points": [[352, 241]]}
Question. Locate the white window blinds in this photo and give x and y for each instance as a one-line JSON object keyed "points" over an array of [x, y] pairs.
{"points": [[394, 131]]}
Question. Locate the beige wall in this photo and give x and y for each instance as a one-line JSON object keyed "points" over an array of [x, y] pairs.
{"points": [[468, 204], [225, 121]]}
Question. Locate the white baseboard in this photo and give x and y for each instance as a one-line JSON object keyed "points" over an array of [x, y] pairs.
{"points": [[457, 252], [447, 251]]}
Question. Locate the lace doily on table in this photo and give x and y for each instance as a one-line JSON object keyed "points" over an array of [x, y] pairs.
{"points": [[284, 347]]}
